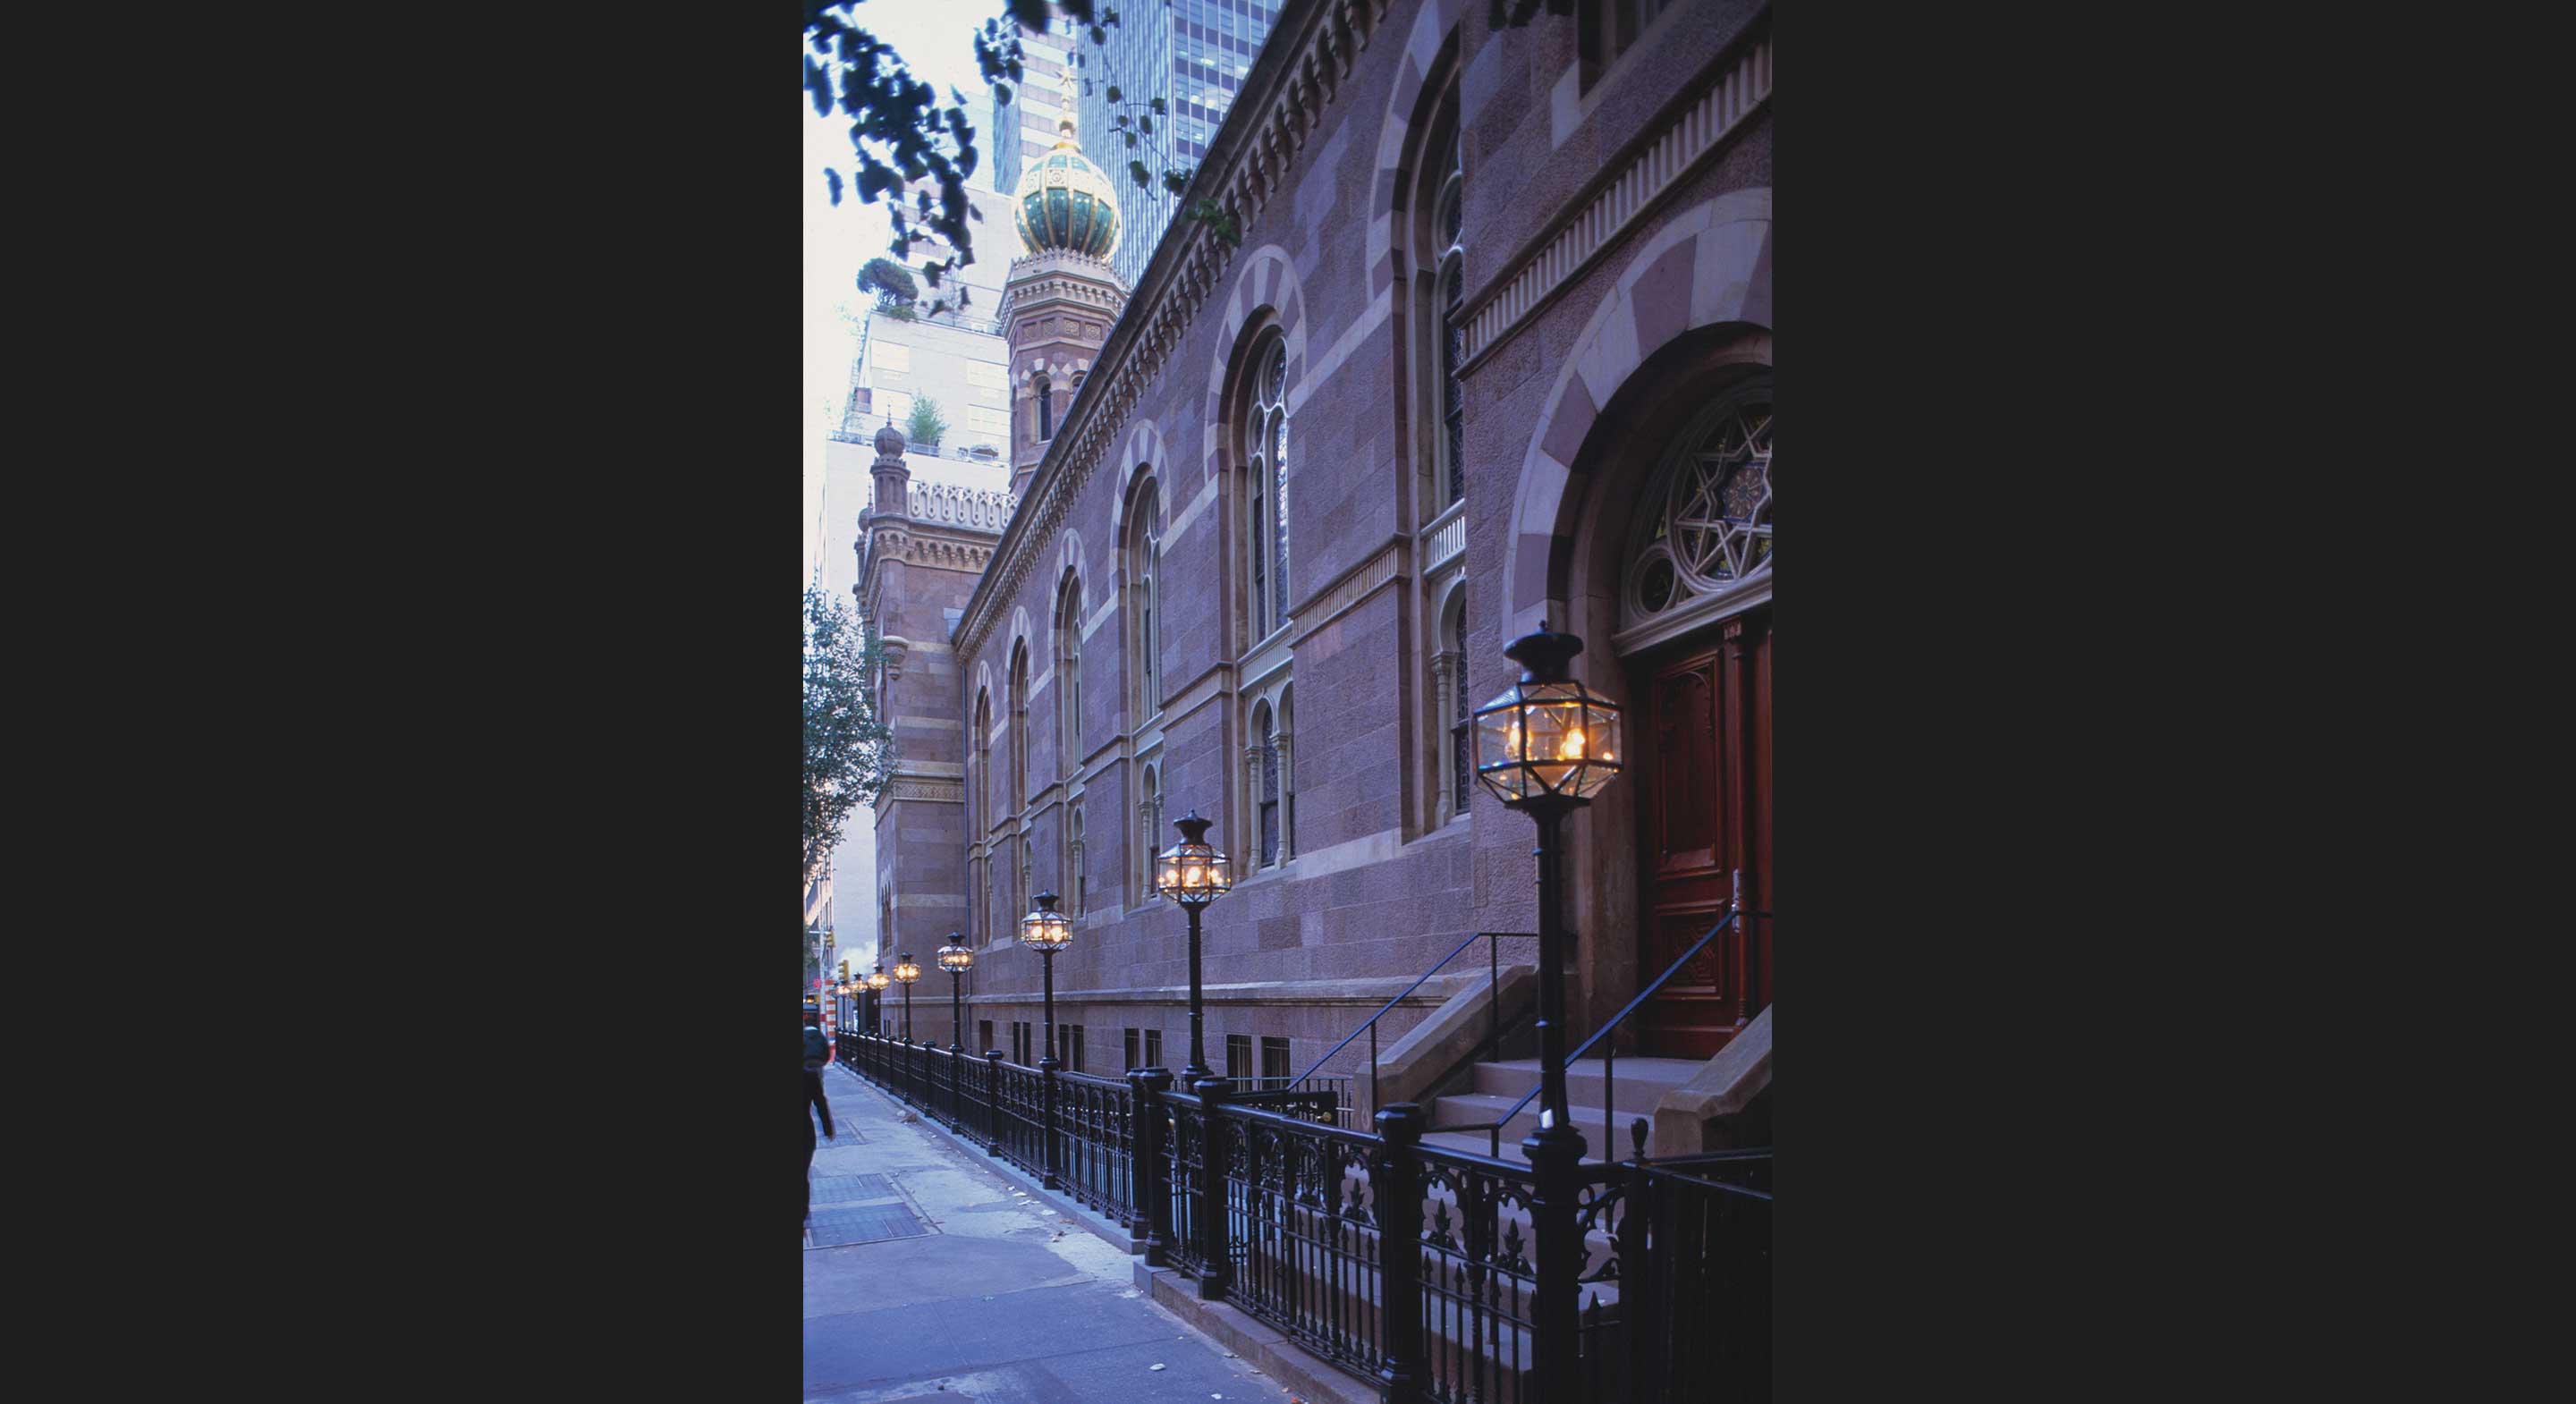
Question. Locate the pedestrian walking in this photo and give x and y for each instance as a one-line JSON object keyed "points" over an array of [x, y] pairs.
{"points": [[815, 1102]]}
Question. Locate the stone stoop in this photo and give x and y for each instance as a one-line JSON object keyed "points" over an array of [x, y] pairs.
{"points": [[1297, 1370], [1636, 1087]]}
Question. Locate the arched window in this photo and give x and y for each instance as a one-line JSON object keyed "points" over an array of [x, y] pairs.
{"points": [[1068, 676], [1706, 519], [1455, 765], [979, 819], [1019, 728], [1149, 824], [1447, 222], [1282, 758], [1046, 410], [979, 767], [1027, 898], [1078, 867], [1144, 567], [1265, 456], [1263, 763]]}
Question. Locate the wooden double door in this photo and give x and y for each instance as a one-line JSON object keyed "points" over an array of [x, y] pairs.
{"points": [[1702, 749]]}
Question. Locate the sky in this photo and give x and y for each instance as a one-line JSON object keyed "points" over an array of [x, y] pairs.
{"points": [[937, 39]]}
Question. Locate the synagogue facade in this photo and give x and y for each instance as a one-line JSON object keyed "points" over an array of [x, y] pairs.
{"points": [[1489, 345]]}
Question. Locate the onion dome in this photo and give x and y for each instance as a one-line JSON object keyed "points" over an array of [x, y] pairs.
{"points": [[1064, 202], [889, 441]]}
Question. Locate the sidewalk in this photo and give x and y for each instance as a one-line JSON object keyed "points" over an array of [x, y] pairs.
{"points": [[943, 1282]]}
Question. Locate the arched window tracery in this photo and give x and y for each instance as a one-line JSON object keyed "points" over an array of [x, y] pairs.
{"points": [[1266, 467], [1019, 728], [1068, 677], [1144, 571], [1705, 529]]}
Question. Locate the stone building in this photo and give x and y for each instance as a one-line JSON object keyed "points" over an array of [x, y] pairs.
{"points": [[957, 360], [1493, 347]]}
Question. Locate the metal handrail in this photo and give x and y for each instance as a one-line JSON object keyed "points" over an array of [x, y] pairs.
{"points": [[1609, 1072], [1369, 1027]]}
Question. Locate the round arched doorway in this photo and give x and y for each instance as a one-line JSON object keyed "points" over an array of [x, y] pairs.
{"points": [[1668, 574]]}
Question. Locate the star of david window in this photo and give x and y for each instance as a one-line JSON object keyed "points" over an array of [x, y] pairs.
{"points": [[1711, 530]]}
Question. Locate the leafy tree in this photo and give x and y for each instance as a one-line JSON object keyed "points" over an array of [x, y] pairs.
{"points": [[849, 747], [926, 426], [905, 140], [886, 275]]}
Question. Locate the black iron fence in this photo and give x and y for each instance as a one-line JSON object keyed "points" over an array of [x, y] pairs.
{"points": [[1416, 1267]]}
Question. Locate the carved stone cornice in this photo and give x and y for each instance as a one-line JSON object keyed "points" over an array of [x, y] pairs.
{"points": [[1633, 183]]}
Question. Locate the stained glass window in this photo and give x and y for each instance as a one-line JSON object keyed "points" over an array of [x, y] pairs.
{"points": [[1710, 528], [1721, 498], [1269, 801], [1453, 329], [1266, 457]]}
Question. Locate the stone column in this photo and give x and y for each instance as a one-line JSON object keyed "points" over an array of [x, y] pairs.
{"points": [[1451, 671], [1252, 797], [1287, 800]]}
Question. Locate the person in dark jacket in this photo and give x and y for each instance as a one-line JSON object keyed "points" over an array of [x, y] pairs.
{"points": [[814, 1102]]}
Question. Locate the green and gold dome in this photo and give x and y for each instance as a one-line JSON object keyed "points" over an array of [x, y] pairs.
{"points": [[1064, 202]]}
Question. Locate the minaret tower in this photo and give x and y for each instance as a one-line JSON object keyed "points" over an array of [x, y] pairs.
{"points": [[1061, 297], [922, 545]]}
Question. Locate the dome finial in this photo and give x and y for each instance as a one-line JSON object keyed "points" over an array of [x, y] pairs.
{"points": [[1064, 124], [1064, 202]]}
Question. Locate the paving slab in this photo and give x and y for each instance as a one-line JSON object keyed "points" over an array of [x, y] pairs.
{"points": [[990, 1298]]}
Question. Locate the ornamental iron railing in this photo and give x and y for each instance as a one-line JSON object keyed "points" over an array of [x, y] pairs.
{"points": [[1610, 1049], [1414, 1267]]}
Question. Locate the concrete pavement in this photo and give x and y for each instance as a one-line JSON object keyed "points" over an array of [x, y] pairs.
{"points": [[929, 1277]]}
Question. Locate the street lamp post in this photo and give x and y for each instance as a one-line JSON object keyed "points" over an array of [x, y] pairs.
{"points": [[956, 960], [877, 983], [1047, 931], [906, 970], [1193, 874], [1546, 746]]}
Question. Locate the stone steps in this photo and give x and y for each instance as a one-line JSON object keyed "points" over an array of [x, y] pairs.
{"points": [[1635, 1085]]}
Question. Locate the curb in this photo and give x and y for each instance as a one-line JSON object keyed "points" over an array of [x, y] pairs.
{"points": [[1301, 1373]]}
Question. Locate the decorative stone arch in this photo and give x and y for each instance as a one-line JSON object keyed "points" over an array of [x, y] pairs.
{"points": [[1149, 823], [1068, 559], [1059, 370], [983, 685], [1129, 585], [1021, 632], [1432, 25], [1063, 705], [1709, 267], [1273, 701], [1447, 689], [1267, 284], [978, 762], [1143, 456], [1015, 725]]}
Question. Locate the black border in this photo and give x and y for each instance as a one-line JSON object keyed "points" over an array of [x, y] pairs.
{"points": [[565, 498]]}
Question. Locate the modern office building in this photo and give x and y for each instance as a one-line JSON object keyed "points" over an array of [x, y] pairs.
{"points": [[1035, 105]]}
